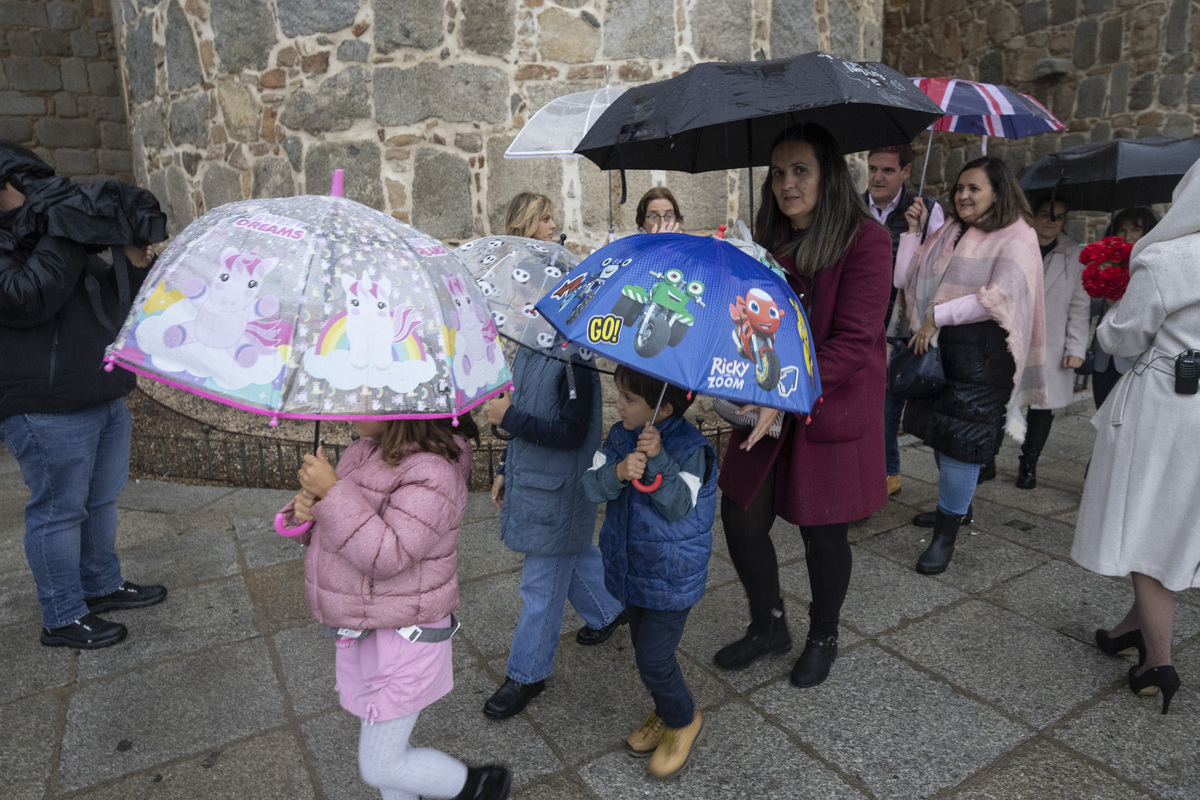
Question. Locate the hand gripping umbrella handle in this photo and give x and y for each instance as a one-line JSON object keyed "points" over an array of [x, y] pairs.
{"points": [[648, 487], [281, 527]]}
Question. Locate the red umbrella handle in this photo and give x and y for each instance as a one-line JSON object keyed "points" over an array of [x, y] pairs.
{"points": [[648, 487]]}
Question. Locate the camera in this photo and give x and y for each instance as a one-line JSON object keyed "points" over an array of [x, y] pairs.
{"points": [[1187, 372]]}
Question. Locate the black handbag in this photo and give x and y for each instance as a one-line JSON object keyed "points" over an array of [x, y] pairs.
{"points": [[912, 376]]}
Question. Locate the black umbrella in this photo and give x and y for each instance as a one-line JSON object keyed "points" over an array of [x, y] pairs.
{"points": [[1106, 176], [727, 115]]}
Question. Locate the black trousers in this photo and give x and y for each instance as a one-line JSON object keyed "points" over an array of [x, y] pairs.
{"points": [[826, 553]]}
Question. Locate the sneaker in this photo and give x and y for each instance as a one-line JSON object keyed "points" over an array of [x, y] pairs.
{"points": [[89, 632], [675, 749], [588, 636], [893, 484], [129, 595], [642, 742]]}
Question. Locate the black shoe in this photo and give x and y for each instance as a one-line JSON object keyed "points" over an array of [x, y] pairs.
{"points": [[1118, 645], [987, 472], [1027, 472], [764, 637], [510, 698], [937, 556], [589, 636], [490, 782], [130, 595], [1162, 679], [814, 663], [926, 518], [89, 632]]}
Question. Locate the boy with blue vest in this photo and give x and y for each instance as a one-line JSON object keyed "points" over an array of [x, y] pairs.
{"points": [[656, 541]]}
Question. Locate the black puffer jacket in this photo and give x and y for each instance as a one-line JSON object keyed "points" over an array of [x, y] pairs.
{"points": [[961, 420]]}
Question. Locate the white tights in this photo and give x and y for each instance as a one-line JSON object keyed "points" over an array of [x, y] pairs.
{"points": [[401, 772]]}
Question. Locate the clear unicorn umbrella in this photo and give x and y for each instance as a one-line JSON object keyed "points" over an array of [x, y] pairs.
{"points": [[316, 308]]}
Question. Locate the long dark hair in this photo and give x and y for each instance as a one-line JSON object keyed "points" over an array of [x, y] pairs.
{"points": [[1010, 204], [836, 219], [437, 436]]}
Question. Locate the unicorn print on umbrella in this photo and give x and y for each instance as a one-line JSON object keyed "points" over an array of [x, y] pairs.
{"points": [[479, 363]]}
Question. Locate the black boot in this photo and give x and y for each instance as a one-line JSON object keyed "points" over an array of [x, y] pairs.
{"points": [[937, 556], [926, 518], [490, 782], [987, 472], [814, 663], [1037, 431], [765, 636]]}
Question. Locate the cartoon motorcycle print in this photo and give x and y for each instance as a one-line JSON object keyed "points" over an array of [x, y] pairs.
{"points": [[587, 291], [660, 317], [756, 319]]}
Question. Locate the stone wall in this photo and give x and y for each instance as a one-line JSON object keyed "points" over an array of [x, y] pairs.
{"points": [[1106, 68], [418, 99], [60, 93]]}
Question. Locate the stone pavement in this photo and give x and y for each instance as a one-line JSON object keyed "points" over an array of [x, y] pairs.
{"points": [[981, 683]]}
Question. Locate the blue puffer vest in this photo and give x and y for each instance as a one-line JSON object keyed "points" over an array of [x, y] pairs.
{"points": [[545, 511], [648, 561]]}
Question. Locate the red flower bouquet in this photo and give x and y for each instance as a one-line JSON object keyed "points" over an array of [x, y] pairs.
{"points": [[1106, 267]]}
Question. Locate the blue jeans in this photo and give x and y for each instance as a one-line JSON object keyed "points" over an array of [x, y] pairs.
{"points": [[656, 636], [956, 484], [546, 585], [893, 407], [75, 465]]}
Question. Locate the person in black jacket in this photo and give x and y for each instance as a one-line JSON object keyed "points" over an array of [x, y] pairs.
{"points": [[61, 415]]}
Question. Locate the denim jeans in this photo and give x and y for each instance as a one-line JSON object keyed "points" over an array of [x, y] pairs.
{"points": [[893, 407], [956, 484], [75, 465], [546, 585], [656, 636]]}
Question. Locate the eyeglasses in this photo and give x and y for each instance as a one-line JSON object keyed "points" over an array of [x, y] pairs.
{"points": [[654, 216]]}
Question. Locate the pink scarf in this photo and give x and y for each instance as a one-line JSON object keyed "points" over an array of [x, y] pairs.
{"points": [[1003, 269]]}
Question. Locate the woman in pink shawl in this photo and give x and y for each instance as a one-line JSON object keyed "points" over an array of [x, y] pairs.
{"points": [[974, 290]]}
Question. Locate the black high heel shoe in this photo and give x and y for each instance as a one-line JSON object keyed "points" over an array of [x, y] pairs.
{"points": [[1116, 645], [1162, 679]]}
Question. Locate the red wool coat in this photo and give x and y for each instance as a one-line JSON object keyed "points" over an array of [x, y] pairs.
{"points": [[831, 469]]}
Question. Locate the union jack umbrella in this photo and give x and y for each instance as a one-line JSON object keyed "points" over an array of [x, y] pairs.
{"points": [[985, 108]]}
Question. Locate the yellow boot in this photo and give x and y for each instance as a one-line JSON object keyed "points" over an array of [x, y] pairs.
{"points": [[642, 742], [675, 749]]}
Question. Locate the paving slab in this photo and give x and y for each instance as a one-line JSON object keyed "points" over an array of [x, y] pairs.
{"points": [[306, 656], [183, 560], [1027, 670], [141, 718], [737, 741], [147, 495], [981, 560], [900, 732], [135, 528], [497, 594], [262, 546], [27, 743], [18, 599], [1044, 534], [261, 504], [1044, 769], [267, 767], [482, 552], [191, 618], [278, 594], [28, 666], [332, 738]]}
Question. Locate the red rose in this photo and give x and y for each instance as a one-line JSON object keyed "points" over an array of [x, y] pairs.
{"points": [[1106, 267]]}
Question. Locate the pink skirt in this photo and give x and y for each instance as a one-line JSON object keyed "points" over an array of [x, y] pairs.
{"points": [[385, 676]]}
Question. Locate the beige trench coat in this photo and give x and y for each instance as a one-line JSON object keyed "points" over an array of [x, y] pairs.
{"points": [[1141, 503], [1068, 311]]}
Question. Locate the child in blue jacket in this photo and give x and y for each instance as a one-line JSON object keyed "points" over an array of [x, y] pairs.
{"points": [[656, 544]]}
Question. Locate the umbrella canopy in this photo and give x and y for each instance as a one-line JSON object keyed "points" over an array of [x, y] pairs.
{"points": [[986, 108], [314, 308], [1106, 176], [514, 273], [557, 127], [727, 115], [696, 312]]}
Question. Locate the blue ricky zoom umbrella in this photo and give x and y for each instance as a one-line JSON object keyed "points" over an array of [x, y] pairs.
{"points": [[693, 311]]}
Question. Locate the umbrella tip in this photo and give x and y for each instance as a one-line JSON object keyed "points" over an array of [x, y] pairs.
{"points": [[721, 231], [108, 366], [274, 422], [454, 421], [335, 188]]}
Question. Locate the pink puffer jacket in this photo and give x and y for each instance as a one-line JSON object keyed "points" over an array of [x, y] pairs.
{"points": [[382, 552]]}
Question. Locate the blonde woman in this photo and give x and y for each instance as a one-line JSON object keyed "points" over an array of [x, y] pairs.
{"points": [[532, 216]]}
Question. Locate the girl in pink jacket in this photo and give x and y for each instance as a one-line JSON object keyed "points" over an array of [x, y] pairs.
{"points": [[381, 568]]}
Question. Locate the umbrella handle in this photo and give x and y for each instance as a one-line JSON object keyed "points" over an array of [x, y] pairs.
{"points": [[281, 527], [504, 437], [648, 487]]}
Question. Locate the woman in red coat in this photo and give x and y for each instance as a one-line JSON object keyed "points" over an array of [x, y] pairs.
{"points": [[822, 473]]}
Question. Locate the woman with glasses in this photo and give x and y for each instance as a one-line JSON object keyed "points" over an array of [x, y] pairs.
{"points": [[658, 212]]}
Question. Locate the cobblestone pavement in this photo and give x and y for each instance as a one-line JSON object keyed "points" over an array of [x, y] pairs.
{"points": [[980, 683]]}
